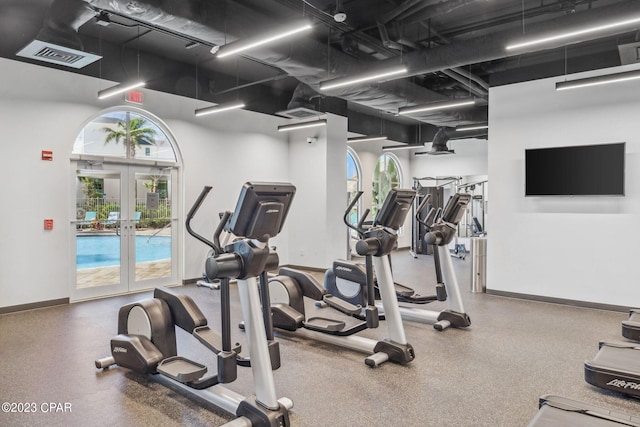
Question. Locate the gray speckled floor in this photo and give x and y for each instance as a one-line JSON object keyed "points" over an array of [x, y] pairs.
{"points": [[489, 375]]}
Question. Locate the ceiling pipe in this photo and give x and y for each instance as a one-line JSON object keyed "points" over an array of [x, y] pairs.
{"points": [[305, 58], [470, 76], [441, 8], [473, 88], [404, 8], [492, 47]]}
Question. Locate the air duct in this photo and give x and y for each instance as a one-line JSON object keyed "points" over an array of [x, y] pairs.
{"points": [[444, 135], [439, 144], [58, 42], [304, 59]]}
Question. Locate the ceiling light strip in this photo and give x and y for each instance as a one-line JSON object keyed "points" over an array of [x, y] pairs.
{"points": [[471, 127], [240, 46], [574, 33], [120, 88], [348, 81], [302, 125], [599, 80], [367, 138], [436, 106], [218, 109], [402, 147]]}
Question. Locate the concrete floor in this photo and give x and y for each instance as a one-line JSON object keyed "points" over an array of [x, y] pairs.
{"points": [[489, 375]]}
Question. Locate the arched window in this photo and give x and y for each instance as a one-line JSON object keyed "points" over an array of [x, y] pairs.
{"points": [[353, 183], [386, 175], [125, 134]]}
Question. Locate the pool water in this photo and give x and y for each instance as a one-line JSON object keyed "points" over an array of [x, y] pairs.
{"points": [[104, 251]]}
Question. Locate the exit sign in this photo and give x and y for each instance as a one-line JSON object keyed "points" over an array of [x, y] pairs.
{"points": [[134, 96]]}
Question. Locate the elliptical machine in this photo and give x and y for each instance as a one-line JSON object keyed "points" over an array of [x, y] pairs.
{"points": [[347, 280], [440, 233], [146, 340], [290, 288]]}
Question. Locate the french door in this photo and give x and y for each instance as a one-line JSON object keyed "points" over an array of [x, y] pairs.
{"points": [[125, 229]]}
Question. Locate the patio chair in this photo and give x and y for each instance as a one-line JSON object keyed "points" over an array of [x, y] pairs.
{"points": [[112, 219], [89, 218], [136, 221]]}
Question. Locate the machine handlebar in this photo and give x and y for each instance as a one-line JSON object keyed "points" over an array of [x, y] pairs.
{"points": [[203, 195], [423, 204], [358, 227]]}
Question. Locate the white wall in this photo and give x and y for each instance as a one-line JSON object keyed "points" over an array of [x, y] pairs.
{"points": [[47, 109], [319, 171], [577, 248]]}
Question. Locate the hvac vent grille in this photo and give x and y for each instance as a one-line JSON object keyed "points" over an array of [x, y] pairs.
{"points": [[299, 113], [49, 52], [58, 55]]}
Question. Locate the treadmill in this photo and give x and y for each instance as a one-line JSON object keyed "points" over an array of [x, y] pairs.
{"points": [[616, 366], [557, 411]]}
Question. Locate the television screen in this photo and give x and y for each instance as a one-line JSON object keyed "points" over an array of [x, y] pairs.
{"points": [[585, 170]]}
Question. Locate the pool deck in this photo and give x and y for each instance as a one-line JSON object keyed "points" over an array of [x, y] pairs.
{"points": [[99, 276]]}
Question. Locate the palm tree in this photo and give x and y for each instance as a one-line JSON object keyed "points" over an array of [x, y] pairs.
{"points": [[137, 133]]}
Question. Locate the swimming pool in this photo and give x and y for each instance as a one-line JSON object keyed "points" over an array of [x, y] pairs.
{"points": [[104, 251]]}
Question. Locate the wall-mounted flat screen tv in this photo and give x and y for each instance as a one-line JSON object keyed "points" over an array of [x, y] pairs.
{"points": [[584, 170]]}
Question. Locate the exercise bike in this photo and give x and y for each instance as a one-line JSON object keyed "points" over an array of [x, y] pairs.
{"points": [[291, 287], [347, 280], [146, 340]]}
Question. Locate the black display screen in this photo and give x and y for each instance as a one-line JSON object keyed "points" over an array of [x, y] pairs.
{"points": [[585, 170]]}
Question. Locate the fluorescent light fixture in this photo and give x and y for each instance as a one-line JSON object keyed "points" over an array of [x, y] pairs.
{"points": [[367, 138], [599, 80], [121, 88], [218, 109], [574, 33], [347, 81], [302, 125], [471, 127], [282, 32], [402, 147], [443, 105]]}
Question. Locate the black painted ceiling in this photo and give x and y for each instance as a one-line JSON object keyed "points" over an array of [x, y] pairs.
{"points": [[455, 49]]}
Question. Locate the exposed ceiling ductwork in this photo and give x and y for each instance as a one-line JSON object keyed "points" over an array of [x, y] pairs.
{"points": [[306, 59], [444, 135], [452, 48]]}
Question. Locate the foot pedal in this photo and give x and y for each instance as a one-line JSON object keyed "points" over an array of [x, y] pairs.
{"points": [[181, 369], [212, 340], [324, 325], [342, 305], [403, 291]]}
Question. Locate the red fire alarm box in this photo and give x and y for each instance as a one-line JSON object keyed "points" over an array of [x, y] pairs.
{"points": [[48, 224], [47, 155]]}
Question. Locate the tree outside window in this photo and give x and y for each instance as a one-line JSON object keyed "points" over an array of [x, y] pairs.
{"points": [[386, 176]]}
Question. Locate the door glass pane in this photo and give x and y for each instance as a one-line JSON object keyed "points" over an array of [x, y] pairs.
{"points": [[98, 245], [152, 222]]}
